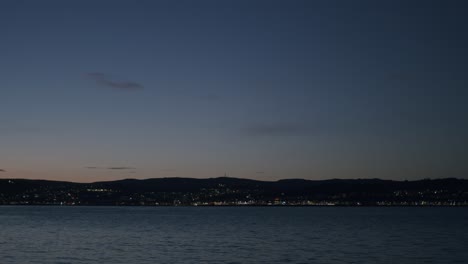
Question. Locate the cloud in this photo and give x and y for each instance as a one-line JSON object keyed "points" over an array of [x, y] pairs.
{"points": [[121, 168], [1, 170], [109, 168], [277, 129], [104, 80]]}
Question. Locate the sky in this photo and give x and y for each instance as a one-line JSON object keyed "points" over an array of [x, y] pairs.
{"points": [[104, 90]]}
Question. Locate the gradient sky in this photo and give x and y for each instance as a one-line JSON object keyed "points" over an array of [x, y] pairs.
{"points": [[102, 90]]}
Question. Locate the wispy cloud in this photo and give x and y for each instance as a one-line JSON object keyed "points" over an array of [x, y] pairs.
{"points": [[109, 168], [121, 168], [1, 170], [106, 81], [277, 129]]}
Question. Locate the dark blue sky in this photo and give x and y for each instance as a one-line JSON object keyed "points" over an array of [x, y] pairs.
{"points": [[94, 90]]}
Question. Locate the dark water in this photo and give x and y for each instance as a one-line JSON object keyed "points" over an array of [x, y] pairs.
{"points": [[233, 235]]}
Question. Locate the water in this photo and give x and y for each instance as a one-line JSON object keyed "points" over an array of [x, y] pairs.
{"points": [[233, 235]]}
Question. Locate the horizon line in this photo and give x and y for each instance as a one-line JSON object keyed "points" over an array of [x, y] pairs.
{"points": [[258, 180]]}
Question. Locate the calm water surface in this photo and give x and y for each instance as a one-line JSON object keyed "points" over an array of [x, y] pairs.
{"points": [[233, 235]]}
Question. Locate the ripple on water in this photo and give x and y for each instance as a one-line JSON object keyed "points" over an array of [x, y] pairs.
{"points": [[232, 235]]}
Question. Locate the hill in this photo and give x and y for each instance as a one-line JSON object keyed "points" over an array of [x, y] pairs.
{"points": [[236, 191]]}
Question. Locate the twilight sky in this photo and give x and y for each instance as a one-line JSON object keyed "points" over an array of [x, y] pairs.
{"points": [[102, 90]]}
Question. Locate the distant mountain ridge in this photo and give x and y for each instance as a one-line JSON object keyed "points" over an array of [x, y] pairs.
{"points": [[233, 190]]}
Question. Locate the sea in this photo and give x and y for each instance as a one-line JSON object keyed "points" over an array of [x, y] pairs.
{"points": [[404, 235]]}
